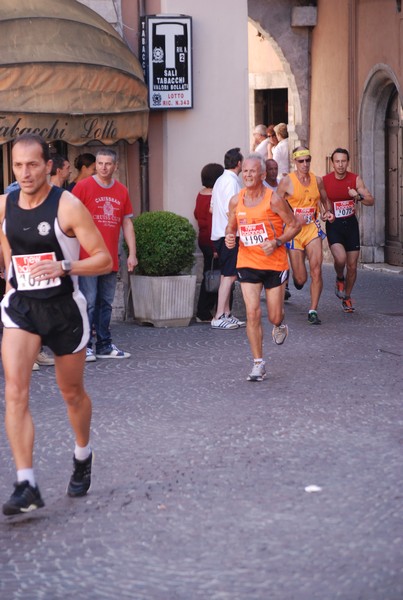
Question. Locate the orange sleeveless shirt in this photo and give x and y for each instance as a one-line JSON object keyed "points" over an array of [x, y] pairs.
{"points": [[256, 223]]}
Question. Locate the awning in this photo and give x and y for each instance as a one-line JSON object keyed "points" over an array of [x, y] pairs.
{"points": [[67, 74]]}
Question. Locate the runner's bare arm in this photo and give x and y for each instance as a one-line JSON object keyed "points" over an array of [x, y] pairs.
{"points": [[230, 230], [327, 212], [285, 187], [292, 223], [362, 195]]}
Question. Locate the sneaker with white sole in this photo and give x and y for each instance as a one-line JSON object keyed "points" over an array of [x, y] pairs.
{"points": [[89, 355], [80, 480], [279, 334], [258, 372], [44, 359], [235, 320], [223, 323], [24, 499], [112, 352]]}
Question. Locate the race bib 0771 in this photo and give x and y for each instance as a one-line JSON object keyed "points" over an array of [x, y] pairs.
{"points": [[22, 264]]}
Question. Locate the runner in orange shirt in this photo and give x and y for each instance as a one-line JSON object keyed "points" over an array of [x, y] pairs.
{"points": [[259, 215]]}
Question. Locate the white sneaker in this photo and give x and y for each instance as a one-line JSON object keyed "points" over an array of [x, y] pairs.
{"points": [[235, 320], [89, 355], [35, 366], [223, 323], [258, 372], [113, 352], [44, 359], [279, 334]]}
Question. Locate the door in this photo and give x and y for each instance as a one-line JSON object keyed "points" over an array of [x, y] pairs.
{"points": [[394, 183]]}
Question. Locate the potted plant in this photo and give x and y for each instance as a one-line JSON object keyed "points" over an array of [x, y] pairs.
{"points": [[162, 287]]}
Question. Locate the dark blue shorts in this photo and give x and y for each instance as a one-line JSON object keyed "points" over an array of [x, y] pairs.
{"points": [[226, 257]]}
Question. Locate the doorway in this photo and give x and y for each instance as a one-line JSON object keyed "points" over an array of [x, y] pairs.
{"points": [[394, 182], [271, 106]]}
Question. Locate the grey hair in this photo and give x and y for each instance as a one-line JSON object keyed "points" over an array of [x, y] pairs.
{"points": [[108, 152], [259, 157]]}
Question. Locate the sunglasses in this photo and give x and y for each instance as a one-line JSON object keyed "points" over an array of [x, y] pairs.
{"points": [[303, 160]]}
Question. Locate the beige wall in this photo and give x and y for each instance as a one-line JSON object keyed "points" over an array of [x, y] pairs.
{"points": [[329, 97], [182, 142]]}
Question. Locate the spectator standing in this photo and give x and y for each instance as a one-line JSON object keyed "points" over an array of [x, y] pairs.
{"points": [[260, 140], [280, 152], [224, 189], [202, 212], [271, 180], [60, 170], [85, 165], [109, 204]]}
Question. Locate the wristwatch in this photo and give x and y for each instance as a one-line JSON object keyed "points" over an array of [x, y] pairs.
{"points": [[279, 243], [66, 266]]}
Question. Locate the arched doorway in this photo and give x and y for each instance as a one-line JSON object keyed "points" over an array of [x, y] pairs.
{"points": [[380, 142], [394, 182]]}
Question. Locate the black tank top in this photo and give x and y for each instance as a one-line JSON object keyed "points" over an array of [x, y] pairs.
{"points": [[35, 231]]}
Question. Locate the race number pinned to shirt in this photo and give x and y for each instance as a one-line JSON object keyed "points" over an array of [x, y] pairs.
{"points": [[307, 213], [22, 264], [252, 234], [344, 208]]}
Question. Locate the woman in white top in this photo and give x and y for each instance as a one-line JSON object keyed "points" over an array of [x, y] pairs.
{"points": [[280, 153]]}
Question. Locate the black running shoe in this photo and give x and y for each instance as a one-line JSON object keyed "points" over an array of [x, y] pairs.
{"points": [[313, 318], [25, 498], [80, 481]]}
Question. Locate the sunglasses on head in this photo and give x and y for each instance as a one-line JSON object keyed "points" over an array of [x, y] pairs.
{"points": [[303, 160]]}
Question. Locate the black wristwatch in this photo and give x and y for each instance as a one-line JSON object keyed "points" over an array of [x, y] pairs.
{"points": [[66, 266], [278, 243]]}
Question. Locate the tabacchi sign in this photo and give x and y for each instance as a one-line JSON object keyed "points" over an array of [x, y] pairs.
{"points": [[166, 56]]}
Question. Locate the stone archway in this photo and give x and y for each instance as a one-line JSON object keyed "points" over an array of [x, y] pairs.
{"points": [[380, 87]]}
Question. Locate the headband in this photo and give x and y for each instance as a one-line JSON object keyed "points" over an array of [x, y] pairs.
{"points": [[299, 153]]}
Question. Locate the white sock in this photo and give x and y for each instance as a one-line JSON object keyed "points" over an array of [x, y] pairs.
{"points": [[26, 475], [258, 360], [82, 453]]}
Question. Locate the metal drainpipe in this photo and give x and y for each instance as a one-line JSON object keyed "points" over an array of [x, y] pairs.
{"points": [[144, 151], [352, 56]]}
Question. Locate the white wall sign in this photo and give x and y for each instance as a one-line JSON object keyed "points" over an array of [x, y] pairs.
{"points": [[166, 56]]}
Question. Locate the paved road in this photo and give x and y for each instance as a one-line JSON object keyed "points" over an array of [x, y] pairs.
{"points": [[199, 480]]}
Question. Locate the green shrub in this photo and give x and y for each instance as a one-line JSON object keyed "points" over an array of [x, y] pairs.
{"points": [[165, 243]]}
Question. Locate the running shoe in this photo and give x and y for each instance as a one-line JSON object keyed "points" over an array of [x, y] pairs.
{"points": [[258, 372], [25, 498], [233, 319], [339, 288], [223, 323], [89, 355], [35, 366], [112, 352], [80, 481], [44, 359], [313, 318], [279, 334], [347, 305]]}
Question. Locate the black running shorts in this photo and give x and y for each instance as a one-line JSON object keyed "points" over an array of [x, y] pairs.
{"points": [[61, 321], [344, 232], [270, 279]]}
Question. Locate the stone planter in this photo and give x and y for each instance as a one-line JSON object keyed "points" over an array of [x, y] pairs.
{"points": [[163, 301]]}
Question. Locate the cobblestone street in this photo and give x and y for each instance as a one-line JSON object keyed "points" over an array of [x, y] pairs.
{"points": [[200, 477]]}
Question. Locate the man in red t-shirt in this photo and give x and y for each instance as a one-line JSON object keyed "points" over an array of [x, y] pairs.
{"points": [[109, 204], [345, 190]]}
